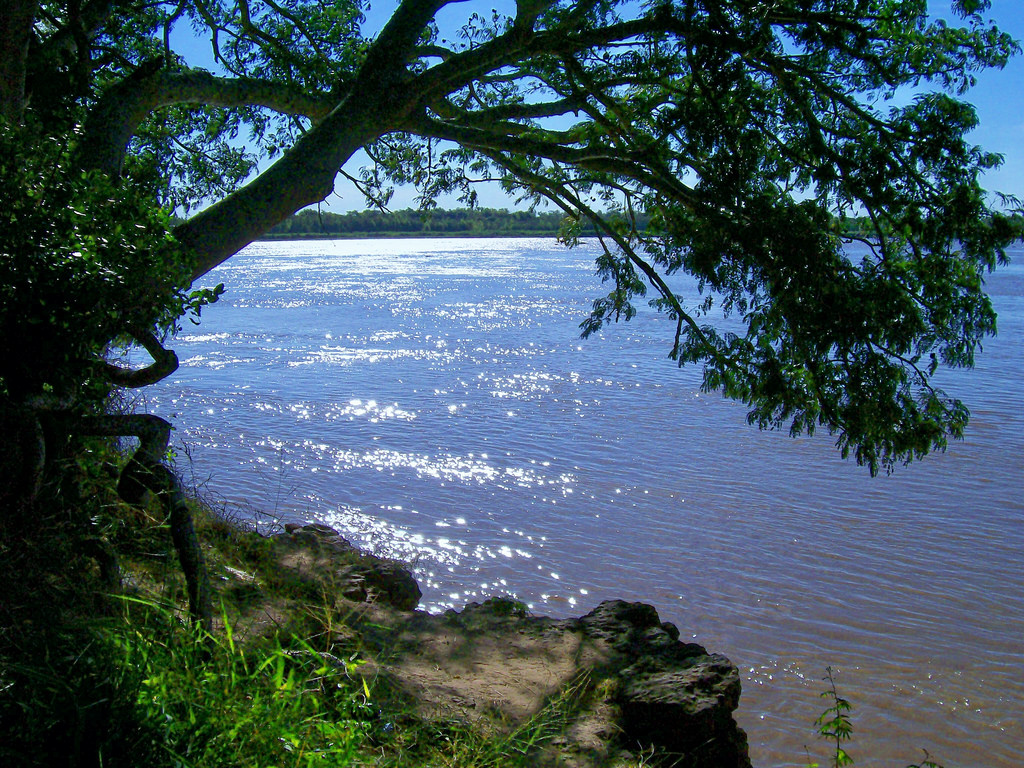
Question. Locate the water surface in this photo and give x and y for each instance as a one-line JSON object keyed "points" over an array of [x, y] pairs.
{"points": [[432, 400]]}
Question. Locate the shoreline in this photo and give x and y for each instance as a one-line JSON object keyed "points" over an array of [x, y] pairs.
{"points": [[635, 689]]}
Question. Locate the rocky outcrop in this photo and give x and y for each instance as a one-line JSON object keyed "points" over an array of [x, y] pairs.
{"points": [[617, 683], [637, 689], [318, 558], [673, 695]]}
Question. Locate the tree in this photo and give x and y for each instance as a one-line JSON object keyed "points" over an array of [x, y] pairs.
{"points": [[728, 139]]}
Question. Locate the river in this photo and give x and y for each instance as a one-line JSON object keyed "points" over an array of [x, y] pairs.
{"points": [[433, 401]]}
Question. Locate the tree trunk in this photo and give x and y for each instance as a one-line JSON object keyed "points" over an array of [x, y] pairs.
{"points": [[379, 101], [16, 20]]}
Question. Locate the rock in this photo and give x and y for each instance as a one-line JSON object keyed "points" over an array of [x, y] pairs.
{"points": [[686, 711], [319, 560], [635, 628], [382, 581], [672, 695], [322, 530]]}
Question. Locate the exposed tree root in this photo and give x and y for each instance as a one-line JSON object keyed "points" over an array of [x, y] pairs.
{"points": [[36, 429], [146, 471]]}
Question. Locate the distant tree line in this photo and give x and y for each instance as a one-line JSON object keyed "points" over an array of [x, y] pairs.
{"points": [[471, 222], [461, 222], [857, 226]]}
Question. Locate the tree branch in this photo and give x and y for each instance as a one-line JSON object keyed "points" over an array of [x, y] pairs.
{"points": [[380, 100], [123, 107], [519, 44], [89, 22], [595, 158], [146, 471], [165, 362]]}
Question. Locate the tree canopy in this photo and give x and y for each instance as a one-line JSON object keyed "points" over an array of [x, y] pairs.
{"points": [[726, 139]]}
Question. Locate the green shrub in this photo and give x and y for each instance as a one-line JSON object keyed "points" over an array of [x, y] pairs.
{"points": [[82, 261]]}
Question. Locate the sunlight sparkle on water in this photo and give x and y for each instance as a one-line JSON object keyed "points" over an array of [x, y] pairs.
{"points": [[402, 391]]}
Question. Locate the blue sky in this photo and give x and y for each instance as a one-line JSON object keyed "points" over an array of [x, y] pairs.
{"points": [[999, 100]]}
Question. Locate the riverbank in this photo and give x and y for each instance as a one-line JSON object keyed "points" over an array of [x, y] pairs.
{"points": [[476, 222], [318, 656], [613, 687]]}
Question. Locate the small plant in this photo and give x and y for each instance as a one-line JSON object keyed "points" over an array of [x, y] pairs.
{"points": [[834, 723], [508, 606], [927, 762]]}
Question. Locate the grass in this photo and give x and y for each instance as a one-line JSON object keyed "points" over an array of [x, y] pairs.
{"points": [[146, 689], [219, 704], [456, 744], [95, 676], [143, 686]]}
